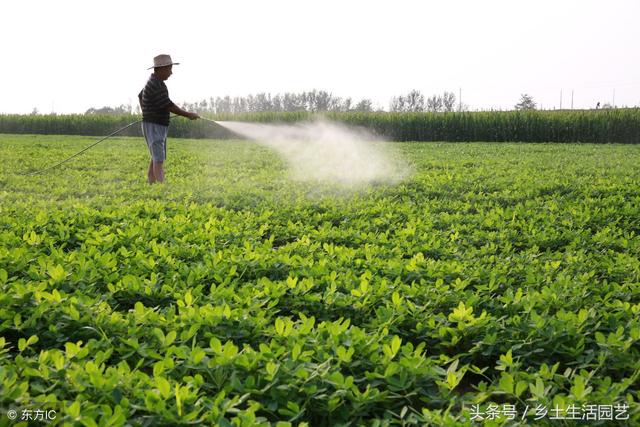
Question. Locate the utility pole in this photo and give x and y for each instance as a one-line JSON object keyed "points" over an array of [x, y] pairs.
{"points": [[560, 99], [460, 100], [572, 99]]}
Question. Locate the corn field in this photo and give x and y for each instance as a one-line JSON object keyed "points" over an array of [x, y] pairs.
{"points": [[594, 126]]}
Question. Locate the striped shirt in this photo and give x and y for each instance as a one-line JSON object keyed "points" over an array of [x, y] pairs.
{"points": [[155, 102]]}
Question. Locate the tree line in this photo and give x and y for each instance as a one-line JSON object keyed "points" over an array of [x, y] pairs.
{"points": [[415, 101], [312, 102], [320, 101]]}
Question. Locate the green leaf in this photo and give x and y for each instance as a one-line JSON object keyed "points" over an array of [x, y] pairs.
{"points": [[58, 360], [178, 399], [505, 362], [88, 422], [188, 299], [116, 395], [158, 368], [537, 390], [396, 299], [118, 418], [272, 369], [157, 332], [17, 320], [170, 338], [396, 342], [506, 383], [452, 380], [215, 345], [461, 313], [164, 387], [391, 369], [343, 354], [364, 286], [279, 326], [197, 354], [139, 309], [71, 349], [579, 388], [56, 272], [295, 352], [292, 282], [74, 410], [23, 344]]}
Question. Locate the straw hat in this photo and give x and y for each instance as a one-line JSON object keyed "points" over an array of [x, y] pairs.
{"points": [[162, 61]]}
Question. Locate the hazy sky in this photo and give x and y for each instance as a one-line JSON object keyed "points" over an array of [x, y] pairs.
{"points": [[68, 56]]}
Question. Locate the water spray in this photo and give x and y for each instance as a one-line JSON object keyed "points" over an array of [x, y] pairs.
{"points": [[325, 151]]}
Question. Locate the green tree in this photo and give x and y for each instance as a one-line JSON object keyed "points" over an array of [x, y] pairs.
{"points": [[526, 103]]}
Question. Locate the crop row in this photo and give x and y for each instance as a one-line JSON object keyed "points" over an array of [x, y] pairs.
{"points": [[603, 126]]}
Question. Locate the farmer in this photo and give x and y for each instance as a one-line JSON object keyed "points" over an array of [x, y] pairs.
{"points": [[156, 106]]}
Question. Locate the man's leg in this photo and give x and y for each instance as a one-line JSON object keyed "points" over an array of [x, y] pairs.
{"points": [[156, 137], [158, 171], [150, 174]]}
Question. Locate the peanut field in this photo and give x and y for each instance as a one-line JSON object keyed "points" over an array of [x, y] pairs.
{"points": [[495, 281]]}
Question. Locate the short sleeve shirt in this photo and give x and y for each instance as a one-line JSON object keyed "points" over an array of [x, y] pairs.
{"points": [[155, 102]]}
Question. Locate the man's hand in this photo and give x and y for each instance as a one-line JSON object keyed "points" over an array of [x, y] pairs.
{"points": [[180, 112]]}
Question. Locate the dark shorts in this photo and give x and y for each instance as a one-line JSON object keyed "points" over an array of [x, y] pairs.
{"points": [[156, 137]]}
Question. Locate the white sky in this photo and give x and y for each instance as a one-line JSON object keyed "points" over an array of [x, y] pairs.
{"points": [[68, 56]]}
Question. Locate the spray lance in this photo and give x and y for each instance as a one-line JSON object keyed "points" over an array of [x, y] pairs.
{"points": [[209, 120], [37, 172]]}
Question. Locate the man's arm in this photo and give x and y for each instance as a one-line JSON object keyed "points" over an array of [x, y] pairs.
{"points": [[179, 111]]}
